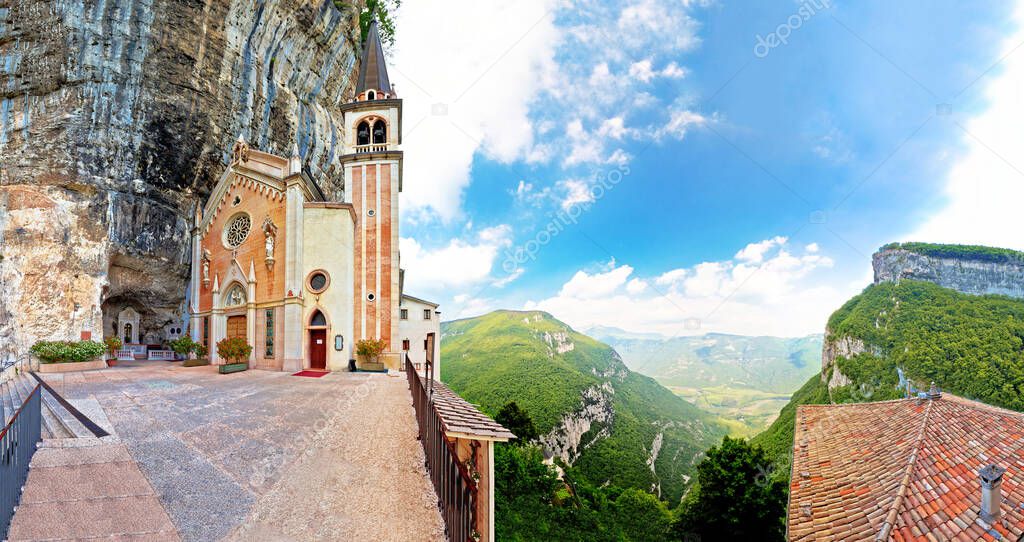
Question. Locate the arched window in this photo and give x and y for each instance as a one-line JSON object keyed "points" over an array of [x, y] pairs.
{"points": [[371, 95], [363, 133], [127, 333], [380, 131], [318, 319]]}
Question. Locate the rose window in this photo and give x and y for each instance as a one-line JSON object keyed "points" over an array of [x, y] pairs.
{"points": [[237, 230]]}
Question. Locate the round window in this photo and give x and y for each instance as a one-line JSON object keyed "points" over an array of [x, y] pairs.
{"points": [[370, 212], [318, 281], [370, 296], [237, 230]]}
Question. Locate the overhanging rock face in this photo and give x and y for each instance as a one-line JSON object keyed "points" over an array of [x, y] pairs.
{"points": [[116, 118]]}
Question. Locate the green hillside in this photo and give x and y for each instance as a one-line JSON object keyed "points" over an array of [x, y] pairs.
{"points": [[970, 345], [545, 366]]}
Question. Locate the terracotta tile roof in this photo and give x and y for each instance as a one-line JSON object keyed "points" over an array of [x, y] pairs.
{"points": [[904, 470], [459, 416]]}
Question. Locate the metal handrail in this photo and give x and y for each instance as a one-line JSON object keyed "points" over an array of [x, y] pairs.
{"points": [[456, 490], [18, 443]]}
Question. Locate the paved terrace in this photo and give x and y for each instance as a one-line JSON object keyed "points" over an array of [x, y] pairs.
{"points": [[255, 455]]}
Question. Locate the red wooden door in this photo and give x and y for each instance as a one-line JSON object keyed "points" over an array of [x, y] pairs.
{"points": [[318, 349]]}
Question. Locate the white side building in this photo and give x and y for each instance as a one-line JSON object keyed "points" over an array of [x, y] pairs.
{"points": [[417, 320]]}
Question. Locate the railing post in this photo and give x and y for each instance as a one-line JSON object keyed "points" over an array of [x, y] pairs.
{"points": [[18, 442]]}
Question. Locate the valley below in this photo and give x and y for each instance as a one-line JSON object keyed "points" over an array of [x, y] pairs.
{"points": [[743, 381]]}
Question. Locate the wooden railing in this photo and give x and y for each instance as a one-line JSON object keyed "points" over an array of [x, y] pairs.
{"points": [[456, 490], [18, 442]]}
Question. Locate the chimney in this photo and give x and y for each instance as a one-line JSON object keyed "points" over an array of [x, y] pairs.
{"points": [[991, 478], [934, 392]]}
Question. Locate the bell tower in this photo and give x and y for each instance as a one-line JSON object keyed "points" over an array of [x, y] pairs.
{"points": [[373, 180]]}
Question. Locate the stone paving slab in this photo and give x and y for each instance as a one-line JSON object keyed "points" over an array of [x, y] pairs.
{"points": [[99, 453], [85, 481], [262, 455], [136, 515], [88, 490]]}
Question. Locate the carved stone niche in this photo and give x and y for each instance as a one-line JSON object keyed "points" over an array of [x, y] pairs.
{"points": [[270, 241], [206, 268]]}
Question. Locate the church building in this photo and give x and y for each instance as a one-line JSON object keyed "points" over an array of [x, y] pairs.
{"points": [[302, 278]]}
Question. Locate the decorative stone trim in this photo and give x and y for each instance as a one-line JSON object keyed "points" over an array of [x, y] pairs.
{"points": [[309, 278]]}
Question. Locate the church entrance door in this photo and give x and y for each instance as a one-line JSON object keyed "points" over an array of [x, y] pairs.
{"points": [[236, 327], [318, 349]]}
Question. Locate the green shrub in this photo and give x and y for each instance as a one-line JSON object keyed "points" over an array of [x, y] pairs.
{"points": [[68, 351], [113, 344], [370, 348], [183, 346], [234, 350]]}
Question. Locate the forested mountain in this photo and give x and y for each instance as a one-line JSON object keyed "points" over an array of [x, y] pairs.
{"points": [[969, 345], [605, 422]]}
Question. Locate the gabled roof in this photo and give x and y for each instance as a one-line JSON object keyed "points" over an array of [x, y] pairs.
{"points": [[904, 470], [418, 300], [373, 71], [462, 419]]}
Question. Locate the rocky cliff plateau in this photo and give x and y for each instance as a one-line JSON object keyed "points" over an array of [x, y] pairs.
{"points": [[978, 272], [972, 270], [116, 119]]}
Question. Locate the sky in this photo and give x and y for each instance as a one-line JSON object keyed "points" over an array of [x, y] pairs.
{"points": [[692, 166]]}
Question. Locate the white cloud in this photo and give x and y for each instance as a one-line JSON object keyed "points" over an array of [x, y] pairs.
{"points": [[812, 248], [459, 262], [985, 186], [673, 71], [642, 70], [754, 252], [636, 287], [778, 295], [448, 56], [681, 121], [613, 127], [576, 192], [586, 286]]}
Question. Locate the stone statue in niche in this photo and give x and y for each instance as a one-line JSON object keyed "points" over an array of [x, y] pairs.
{"points": [[270, 232], [236, 297], [206, 266]]}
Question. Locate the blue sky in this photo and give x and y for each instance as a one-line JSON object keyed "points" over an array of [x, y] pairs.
{"points": [[647, 165]]}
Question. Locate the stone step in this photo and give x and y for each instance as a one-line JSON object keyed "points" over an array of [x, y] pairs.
{"points": [[92, 489], [139, 517], [72, 427]]}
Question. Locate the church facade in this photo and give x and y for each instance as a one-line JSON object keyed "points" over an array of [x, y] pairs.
{"points": [[302, 278]]}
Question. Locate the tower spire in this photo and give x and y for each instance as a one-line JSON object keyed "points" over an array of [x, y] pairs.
{"points": [[373, 71]]}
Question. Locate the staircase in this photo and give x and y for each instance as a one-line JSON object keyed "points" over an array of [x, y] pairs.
{"points": [[57, 421]]}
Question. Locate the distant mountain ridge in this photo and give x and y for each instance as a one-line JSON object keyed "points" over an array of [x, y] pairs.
{"points": [[607, 422], [772, 364]]}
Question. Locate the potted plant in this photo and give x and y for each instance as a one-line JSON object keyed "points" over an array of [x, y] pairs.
{"points": [[113, 345], [369, 350], [235, 353], [183, 346], [200, 351]]}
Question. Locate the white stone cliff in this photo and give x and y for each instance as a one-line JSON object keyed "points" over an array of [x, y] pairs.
{"points": [[116, 118]]}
